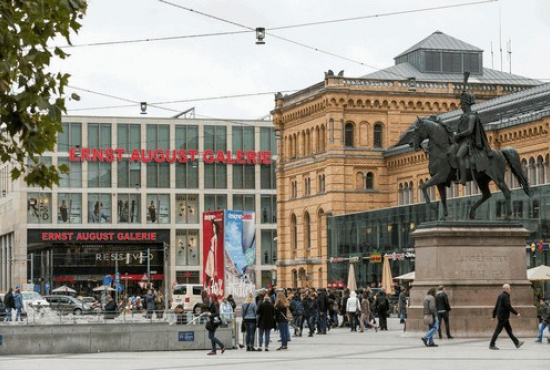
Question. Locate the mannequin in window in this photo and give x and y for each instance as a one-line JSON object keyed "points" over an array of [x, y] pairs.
{"points": [[153, 212], [63, 211]]}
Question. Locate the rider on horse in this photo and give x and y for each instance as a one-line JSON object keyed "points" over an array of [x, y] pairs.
{"points": [[470, 144]]}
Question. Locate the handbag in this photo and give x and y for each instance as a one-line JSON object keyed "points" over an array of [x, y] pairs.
{"points": [[428, 319], [243, 327]]}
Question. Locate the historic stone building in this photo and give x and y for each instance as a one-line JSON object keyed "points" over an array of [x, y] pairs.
{"points": [[334, 137]]}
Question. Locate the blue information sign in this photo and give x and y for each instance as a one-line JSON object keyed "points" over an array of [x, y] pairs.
{"points": [[186, 336], [37, 288], [47, 287], [119, 288], [107, 280]]}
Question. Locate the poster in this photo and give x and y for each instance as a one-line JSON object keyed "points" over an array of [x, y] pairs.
{"points": [[213, 252]]}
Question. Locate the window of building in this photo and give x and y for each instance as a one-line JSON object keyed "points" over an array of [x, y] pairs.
{"points": [[187, 209], [129, 208], [243, 138], [369, 181], [307, 232], [128, 137], [215, 176], [378, 135], [215, 138], [269, 209], [69, 137], [99, 208], [268, 177], [307, 186], [187, 248], [214, 202], [269, 247], [129, 174], [99, 175], [99, 135], [294, 235], [39, 208], [244, 176], [158, 137], [349, 139], [72, 179], [187, 175], [451, 62], [187, 137], [268, 140], [294, 185], [158, 209], [70, 208], [242, 202], [158, 175], [321, 187]]}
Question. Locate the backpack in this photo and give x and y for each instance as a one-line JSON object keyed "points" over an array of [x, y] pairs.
{"points": [[383, 304], [8, 301], [299, 309]]}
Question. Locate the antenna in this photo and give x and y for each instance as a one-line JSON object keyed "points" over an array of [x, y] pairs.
{"points": [[500, 33], [492, 57], [509, 50]]}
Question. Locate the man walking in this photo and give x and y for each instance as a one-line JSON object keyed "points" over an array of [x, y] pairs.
{"points": [[502, 310], [544, 314], [443, 308]]}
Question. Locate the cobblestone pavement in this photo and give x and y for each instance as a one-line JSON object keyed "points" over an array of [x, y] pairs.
{"points": [[339, 349]]}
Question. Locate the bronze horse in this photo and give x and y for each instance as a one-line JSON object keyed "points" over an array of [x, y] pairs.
{"points": [[443, 171]]}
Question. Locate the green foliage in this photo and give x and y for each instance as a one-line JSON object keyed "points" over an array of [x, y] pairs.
{"points": [[31, 98]]}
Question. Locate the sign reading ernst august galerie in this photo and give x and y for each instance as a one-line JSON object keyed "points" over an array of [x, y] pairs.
{"points": [[169, 156]]}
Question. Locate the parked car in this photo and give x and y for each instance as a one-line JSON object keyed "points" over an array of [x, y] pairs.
{"points": [[188, 295], [92, 302], [65, 305], [34, 301]]}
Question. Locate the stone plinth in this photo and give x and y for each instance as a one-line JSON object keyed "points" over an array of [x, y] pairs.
{"points": [[472, 260]]}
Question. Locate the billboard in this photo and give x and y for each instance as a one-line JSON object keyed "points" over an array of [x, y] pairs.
{"points": [[213, 253], [229, 253]]}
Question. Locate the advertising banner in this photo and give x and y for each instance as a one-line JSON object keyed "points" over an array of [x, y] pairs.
{"points": [[213, 252]]}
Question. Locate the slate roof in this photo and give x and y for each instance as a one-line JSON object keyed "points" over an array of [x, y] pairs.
{"points": [[441, 41]]}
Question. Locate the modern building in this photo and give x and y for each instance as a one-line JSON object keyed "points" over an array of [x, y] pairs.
{"points": [[335, 139], [132, 202]]}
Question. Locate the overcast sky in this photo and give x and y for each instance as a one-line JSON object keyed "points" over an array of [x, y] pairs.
{"points": [[193, 68]]}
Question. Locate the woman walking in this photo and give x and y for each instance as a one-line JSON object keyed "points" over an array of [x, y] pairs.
{"points": [[281, 308], [249, 318], [213, 323], [266, 322], [430, 309], [365, 312]]}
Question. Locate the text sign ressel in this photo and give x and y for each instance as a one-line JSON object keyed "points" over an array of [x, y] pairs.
{"points": [[186, 336]]}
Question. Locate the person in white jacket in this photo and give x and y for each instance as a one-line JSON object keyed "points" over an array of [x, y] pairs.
{"points": [[353, 309]]}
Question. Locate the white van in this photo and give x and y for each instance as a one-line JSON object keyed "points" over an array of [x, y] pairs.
{"points": [[188, 295]]}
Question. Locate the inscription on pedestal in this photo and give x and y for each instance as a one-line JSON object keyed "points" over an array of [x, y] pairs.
{"points": [[482, 265]]}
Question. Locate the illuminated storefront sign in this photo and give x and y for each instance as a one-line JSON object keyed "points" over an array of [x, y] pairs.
{"points": [[169, 156]]}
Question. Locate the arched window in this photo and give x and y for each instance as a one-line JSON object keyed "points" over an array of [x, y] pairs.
{"points": [[294, 238], [349, 135], [540, 170], [532, 176], [378, 135], [307, 232], [322, 139], [320, 227], [369, 181], [400, 197], [411, 193]]}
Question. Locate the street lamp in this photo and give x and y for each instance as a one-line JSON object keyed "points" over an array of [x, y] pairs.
{"points": [[143, 106], [260, 36]]}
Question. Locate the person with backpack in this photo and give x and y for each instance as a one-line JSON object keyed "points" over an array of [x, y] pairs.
{"points": [[322, 311], [9, 303], [248, 310], [382, 304], [18, 303], [298, 313]]}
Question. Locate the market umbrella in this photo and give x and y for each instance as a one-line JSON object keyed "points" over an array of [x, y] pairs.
{"points": [[352, 283], [63, 289], [539, 273], [103, 288], [407, 276], [387, 280]]}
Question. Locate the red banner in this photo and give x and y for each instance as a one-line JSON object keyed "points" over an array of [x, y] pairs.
{"points": [[213, 253]]}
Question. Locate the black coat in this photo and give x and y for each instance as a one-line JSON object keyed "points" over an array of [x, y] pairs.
{"points": [[442, 302], [503, 307], [281, 314], [266, 315]]}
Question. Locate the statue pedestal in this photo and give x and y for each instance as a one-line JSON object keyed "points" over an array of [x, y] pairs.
{"points": [[472, 260]]}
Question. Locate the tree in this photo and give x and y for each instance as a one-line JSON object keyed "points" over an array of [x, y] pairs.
{"points": [[31, 98]]}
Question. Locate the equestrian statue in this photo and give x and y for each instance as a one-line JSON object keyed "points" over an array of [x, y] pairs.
{"points": [[463, 156]]}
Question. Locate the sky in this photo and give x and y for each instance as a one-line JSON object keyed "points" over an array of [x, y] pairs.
{"points": [[208, 73]]}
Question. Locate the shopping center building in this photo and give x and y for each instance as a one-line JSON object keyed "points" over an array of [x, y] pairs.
{"points": [[132, 202]]}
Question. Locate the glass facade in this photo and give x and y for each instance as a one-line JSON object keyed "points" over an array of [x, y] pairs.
{"points": [[387, 231]]}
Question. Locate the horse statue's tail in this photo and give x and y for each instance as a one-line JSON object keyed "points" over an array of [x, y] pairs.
{"points": [[512, 157]]}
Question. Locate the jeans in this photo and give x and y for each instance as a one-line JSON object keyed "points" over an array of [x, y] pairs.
{"points": [[503, 324], [18, 314], [352, 320], [8, 314], [283, 331], [311, 324], [250, 332], [431, 332], [298, 323], [322, 322], [543, 326], [264, 333], [334, 318], [444, 316], [214, 340]]}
